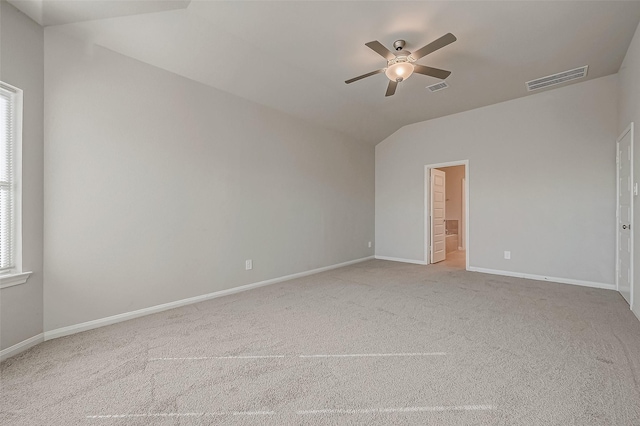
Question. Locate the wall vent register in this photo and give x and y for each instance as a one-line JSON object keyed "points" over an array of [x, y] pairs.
{"points": [[438, 86], [555, 79]]}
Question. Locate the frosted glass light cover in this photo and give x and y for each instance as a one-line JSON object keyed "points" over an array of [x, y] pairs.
{"points": [[399, 70]]}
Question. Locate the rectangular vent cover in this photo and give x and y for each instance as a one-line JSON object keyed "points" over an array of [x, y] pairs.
{"points": [[552, 80], [438, 86]]}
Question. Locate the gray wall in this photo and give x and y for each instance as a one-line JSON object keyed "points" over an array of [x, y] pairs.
{"points": [[629, 111], [21, 65], [542, 182], [158, 188]]}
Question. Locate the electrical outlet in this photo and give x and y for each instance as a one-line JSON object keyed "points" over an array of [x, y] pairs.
{"points": [[248, 264], [369, 244], [507, 255]]}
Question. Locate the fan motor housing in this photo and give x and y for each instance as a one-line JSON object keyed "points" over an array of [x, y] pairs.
{"points": [[402, 56]]}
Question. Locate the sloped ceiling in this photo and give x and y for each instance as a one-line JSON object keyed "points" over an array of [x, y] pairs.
{"points": [[58, 12], [295, 56]]}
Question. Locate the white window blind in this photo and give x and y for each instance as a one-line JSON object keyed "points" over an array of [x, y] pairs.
{"points": [[8, 101]]}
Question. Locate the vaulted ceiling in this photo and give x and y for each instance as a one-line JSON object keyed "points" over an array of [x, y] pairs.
{"points": [[295, 56]]}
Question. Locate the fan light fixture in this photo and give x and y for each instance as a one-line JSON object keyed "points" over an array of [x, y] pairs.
{"points": [[399, 71], [401, 64]]}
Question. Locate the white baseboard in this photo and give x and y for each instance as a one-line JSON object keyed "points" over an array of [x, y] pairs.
{"points": [[397, 259], [543, 278], [637, 314], [77, 328], [21, 347]]}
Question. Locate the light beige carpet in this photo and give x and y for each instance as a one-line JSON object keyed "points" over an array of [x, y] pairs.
{"points": [[426, 345]]}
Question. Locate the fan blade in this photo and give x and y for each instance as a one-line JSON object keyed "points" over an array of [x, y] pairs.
{"points": [[365, 76], [432, 72], [391, 88], [434, 45], [377, 47]]}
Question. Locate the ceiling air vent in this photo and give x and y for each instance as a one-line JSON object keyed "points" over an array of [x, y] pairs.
{"points": [[552, 80], [438, 86]]}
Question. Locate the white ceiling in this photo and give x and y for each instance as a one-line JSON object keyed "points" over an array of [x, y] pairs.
{"points": [[58, 12], [295, 56]]}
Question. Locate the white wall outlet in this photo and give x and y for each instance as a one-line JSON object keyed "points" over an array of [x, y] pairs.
{"points": [[369, 244], [507, 255], [248, 264]]}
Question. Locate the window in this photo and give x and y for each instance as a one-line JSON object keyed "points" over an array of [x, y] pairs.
{"points": [[10, 189]]}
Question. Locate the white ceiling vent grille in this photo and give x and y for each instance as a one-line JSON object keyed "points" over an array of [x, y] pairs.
{"points": [[552, 80], [438, 86]]}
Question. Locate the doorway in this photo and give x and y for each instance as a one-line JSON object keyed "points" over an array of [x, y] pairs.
{"points": [[447, 214], [624, 214]]}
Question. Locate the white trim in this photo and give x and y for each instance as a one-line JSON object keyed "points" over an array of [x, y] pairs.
{"points": [[14, 279], [397, 259], [427, 207], [21, 347], [18, 181], [629, 129], [89, 325], [582, 283], [636, 314]]}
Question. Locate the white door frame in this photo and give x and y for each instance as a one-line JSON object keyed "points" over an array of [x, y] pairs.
{"points": [[427, 206], [629, 129]]}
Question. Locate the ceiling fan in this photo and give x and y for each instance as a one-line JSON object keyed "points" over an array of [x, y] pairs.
{"points": [[402, 63]]}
